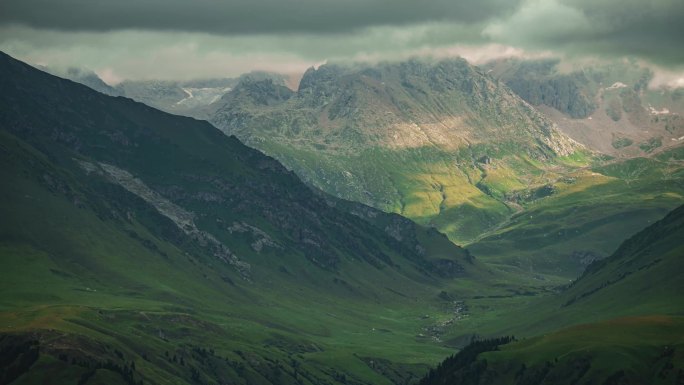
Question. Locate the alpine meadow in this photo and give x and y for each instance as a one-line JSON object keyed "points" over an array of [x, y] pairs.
{"points": [[366, 192]]}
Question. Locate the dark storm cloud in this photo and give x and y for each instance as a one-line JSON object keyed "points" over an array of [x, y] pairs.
{"points": [[642, 28], [652, 29], [181, 39], [244, 16]]}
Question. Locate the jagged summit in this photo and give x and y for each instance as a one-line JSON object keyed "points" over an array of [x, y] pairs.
{"points": [[401, 136], [413, 104]]}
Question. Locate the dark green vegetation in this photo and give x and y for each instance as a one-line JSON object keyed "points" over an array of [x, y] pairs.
{"points": [[622, 142], [462, 366], [633, 350], [641, 280], [141, 246], [138, 245]]}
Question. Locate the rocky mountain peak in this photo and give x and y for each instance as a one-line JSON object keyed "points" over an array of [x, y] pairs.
{"points": [[263, 92]]}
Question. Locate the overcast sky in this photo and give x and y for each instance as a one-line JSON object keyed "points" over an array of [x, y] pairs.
{"points": [[185, 39]]}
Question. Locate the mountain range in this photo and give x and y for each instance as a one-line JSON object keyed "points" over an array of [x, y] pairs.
{"points": [[611, 107], [513, 155], [114, 211], [453, 147], [140, 246]]}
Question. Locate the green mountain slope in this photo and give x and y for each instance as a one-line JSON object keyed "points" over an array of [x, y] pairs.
{"points": [[441, 143], [640, 284], [141, 246], [446, 145], [634, 350], [590, 212], [639, 279], [644, 271]]}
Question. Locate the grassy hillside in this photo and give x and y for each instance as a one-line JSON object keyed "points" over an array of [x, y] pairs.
{"points": [[634, 350], [639, 279], [141, 246], [587, 215], [633, 301]]}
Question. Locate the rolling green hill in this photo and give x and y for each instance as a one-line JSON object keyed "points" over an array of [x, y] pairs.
{"points": [[634, 299], [142, 246], [632, 350]]}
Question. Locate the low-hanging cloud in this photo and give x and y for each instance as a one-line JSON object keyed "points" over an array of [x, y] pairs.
{"points": [[652, 29], [183, 39], [244, 16]]}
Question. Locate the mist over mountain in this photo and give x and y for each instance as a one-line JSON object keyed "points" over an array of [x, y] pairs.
{"points": [[187, 98], [85, 77]]}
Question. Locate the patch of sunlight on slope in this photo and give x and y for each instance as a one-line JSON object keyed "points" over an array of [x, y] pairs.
{"points": [[581, 181], [503, 179], [433, 193]]}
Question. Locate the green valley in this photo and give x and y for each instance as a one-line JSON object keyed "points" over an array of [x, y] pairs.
{"points": [[143, 247], [361, 192], [635, 336]]}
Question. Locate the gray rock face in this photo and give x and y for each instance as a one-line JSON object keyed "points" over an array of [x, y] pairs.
{"points": [[181, 217], [374, 134]]}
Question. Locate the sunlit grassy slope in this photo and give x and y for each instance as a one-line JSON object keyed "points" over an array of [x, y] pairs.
{"points": [[446, 146], [590, 212]]}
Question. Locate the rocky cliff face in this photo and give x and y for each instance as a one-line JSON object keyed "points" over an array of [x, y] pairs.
{"points": [[539, 83], [414, 104], [609, 107], [403, 137]]}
